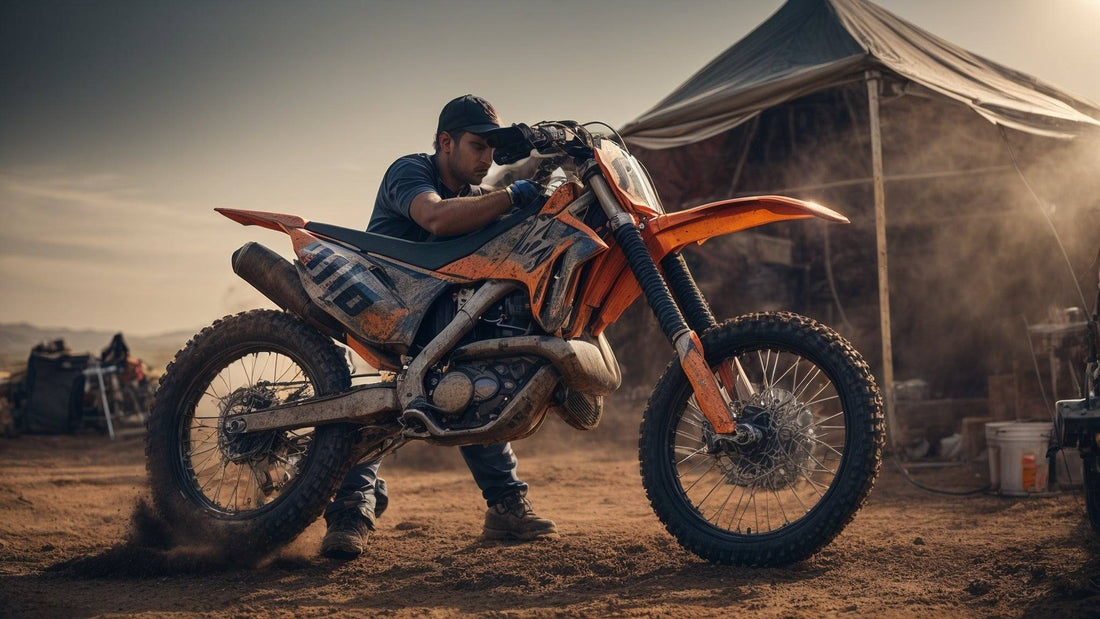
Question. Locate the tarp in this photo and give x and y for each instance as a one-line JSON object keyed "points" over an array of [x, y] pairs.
{"points": [[810, 45]]}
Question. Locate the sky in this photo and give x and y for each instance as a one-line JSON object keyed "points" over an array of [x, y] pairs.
{"points": [[123, 124]]}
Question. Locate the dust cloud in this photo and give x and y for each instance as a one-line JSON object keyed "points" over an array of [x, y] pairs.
{"points": [[154, 548]]}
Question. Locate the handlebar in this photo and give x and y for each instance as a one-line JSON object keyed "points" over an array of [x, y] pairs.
{"points": [[516, 142]]}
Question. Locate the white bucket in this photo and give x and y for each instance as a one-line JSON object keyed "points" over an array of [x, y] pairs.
{"points": [[1018, 463]]}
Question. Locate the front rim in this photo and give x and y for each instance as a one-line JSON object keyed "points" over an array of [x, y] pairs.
{"points": [[239, 476], [783, 476]]}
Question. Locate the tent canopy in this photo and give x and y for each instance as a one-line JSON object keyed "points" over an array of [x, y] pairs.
{"points": [[810, 45]]}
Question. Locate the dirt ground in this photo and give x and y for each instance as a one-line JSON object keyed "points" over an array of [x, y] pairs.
{"points": [[66, 507]]}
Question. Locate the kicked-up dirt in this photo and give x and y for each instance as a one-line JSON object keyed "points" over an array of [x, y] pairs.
{"points": [[75, 541]]}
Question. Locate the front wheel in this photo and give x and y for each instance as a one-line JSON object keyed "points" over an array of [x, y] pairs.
{"points": [[247, 492], [784, 496]]}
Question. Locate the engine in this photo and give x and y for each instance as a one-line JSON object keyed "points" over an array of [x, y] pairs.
{"points": [[511, 316], [471, 393]]}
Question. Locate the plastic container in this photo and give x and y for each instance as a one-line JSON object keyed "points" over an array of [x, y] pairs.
{"points": [[1018, 463]]}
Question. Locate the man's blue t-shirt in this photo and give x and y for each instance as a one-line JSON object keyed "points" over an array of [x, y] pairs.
{"points": [[407, 178]]}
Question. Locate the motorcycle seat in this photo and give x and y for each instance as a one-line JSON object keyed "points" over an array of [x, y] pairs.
{"points": [[431, 255]]}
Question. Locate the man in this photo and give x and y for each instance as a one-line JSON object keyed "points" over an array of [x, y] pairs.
{"points": [[427, 197]]}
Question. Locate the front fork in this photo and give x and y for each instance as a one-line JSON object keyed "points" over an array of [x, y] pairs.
{"points": [[715, 405]]}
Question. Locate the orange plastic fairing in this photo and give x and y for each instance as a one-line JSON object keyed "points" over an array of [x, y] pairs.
{"points": [[371, 357], [674, 231], [279, 222], [616, 168]]}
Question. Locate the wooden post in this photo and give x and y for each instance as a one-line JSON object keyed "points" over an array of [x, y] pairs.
{"points": [[887, 382]]}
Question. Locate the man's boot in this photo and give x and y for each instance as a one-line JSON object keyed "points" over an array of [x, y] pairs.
{"points": [[347, 534], [513, 519]]}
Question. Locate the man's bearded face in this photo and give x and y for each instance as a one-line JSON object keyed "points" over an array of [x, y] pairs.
{"points": [[470, 159]]}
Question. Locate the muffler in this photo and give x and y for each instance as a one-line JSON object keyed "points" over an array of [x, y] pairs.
{"points": [[277, 279]]}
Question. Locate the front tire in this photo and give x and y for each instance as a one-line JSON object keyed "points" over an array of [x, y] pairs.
{"points": [[248, 493], [784, 497]]}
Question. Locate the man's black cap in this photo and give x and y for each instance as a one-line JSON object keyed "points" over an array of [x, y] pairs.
{"points": [[468, 113]]}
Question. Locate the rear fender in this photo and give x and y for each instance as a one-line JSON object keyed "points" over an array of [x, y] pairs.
{"points": [[674, 231], [279, 222]]}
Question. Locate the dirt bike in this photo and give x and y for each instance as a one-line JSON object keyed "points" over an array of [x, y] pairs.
{"points": [[1078, 421], [758, 445]]}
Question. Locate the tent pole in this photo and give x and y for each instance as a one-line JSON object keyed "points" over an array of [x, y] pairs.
{"points": [[887, 383]]}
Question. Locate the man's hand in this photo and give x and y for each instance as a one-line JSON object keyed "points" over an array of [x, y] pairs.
{"points": [[523, 191]]}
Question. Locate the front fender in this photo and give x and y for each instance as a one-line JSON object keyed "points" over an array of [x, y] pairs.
{"points": [[674, 231]]}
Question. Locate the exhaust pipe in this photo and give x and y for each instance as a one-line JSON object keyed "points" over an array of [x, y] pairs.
{"points": [[277, 279]]}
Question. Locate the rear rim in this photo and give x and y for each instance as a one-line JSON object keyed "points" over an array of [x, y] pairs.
{"points": [[238, 476], [779, 479]]}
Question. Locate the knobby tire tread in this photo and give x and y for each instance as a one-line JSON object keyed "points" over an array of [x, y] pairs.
{"points": [[847, 494], [329, 456]]}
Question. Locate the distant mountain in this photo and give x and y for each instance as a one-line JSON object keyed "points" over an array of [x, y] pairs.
{"points": [[16, 341]]}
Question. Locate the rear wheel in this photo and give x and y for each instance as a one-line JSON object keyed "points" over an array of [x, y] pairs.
{"points": [[250, 491], [782, 497]]}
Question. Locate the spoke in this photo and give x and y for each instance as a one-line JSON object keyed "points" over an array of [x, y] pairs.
{"points": [[236, 487], [827, 446], [690, 437], [699, 505], [191, 454], [692, 422], [208, 458], [709, 469], [242, 363], [829, 418], [806, 382], [722, 507], [779, 502], [794, 377], [824, 467], [832, 397], [693, 415], [267, 360], [776, 381], [694, 467], [220, 476], [252, 484], [693, 454], [749, 503], [823, 388], [775, 368], [228, 386], [813, 484], [289, 366], [763, 368], [736, 509]]}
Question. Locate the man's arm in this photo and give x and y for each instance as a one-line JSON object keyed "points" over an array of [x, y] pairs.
{"points": [[455, 216]]}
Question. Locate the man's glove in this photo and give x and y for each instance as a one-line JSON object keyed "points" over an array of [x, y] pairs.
{"points": [[522, 192]]}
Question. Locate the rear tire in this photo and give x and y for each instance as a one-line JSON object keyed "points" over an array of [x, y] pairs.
{"points": [[278, 482], [821, 416]]}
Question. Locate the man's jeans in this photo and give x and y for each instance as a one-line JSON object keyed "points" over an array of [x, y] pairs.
{"points": [[493, 466]]}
